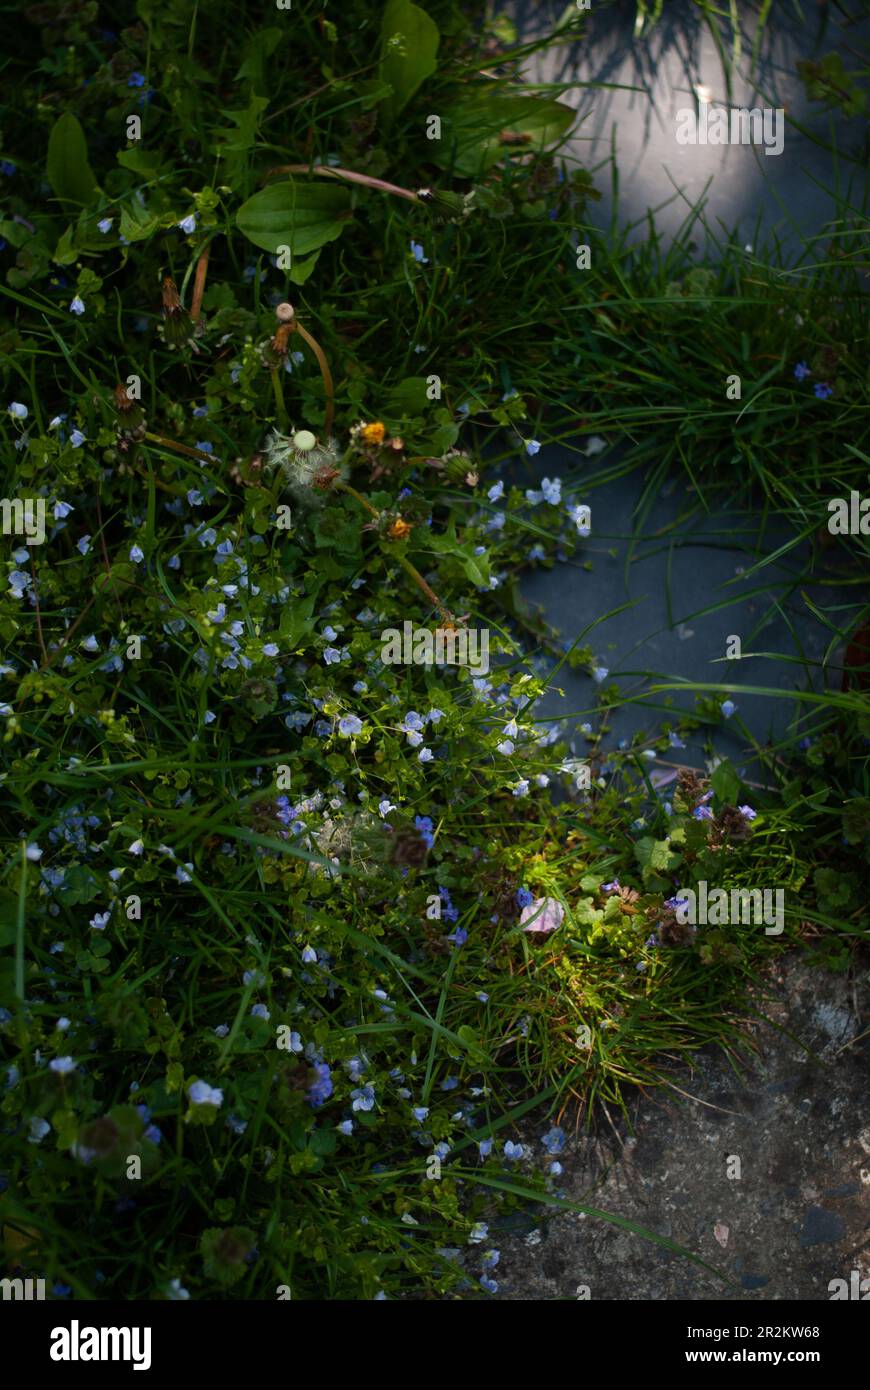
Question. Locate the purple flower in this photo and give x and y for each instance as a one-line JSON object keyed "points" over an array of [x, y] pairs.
{"points": [[802, 371], [702, 813], [136, 79], [747, 812]]}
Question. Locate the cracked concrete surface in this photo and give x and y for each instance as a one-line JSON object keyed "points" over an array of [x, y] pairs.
{"points": [[764, 1171]]}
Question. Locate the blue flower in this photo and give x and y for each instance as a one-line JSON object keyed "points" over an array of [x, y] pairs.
{"points": [[363, 1098], [728, 707], [200, 1093], [62, 1065], [137, 554], [7, 167], [423, 824], [77, 439], [188, 224], [104, 225], [425, 755], [802, 371], [747, 812], [702, 813], [822, 390], [554, 1140], [83, 545], [77, 306], [349, 726], [532, 447], [346, 1127], [417, 253], [136, 79], [513, 1151], [321, 1089], [17, 410], [309, 956]]}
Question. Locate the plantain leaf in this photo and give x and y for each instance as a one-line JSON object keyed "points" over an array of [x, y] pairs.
{"points": [[67, 167], [303, 216], [409, 44], [473, 128], [300, 270]]}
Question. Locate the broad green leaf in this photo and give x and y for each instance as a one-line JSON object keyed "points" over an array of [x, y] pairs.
{"points": [[472, 130], [67, 167], [143, 162], [301, 269], [65, 252], [407, 398], [725, 783], [303, 216], [258, 48], [409, 44], [137, 223]]}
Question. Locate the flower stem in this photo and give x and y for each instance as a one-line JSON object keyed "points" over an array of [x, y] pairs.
{"points": [[179, 448], [279, 399], [409, 569], [324, 372], [327, 171], [199, 284]]}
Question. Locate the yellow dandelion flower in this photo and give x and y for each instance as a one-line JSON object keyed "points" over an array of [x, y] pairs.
{"points": [[373, 433]]}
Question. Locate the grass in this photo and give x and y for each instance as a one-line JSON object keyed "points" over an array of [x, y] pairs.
{"points": [[282, 954]]}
